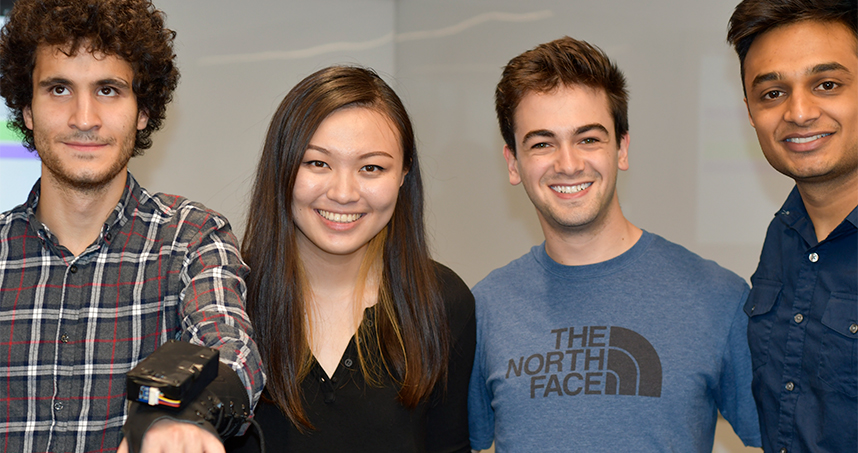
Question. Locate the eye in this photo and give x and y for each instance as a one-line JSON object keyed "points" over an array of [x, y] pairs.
{"points": [[827, 85], [108, 91], [540, 145], [315, 164], [59, 90], [372, 168], [590, 141], [772, 95]]}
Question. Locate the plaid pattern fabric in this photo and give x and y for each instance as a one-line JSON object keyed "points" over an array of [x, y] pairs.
{"points": [[71, 327]]}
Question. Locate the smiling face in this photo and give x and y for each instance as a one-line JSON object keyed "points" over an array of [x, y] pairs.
{"points": [[84, 117], [348, 182], [567, 158], [802, 97]]}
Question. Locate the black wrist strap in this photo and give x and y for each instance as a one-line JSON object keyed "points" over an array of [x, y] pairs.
{"points": [[222, 408]]}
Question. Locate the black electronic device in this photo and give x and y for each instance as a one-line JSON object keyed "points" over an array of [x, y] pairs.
{"points": [[173, 375]]}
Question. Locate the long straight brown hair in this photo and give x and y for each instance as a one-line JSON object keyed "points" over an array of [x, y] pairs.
{"points": [[410, 332]]}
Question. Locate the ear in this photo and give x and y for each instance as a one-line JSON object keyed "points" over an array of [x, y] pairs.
{"points": [[623, 153], [404, 174], [142, 120], [28, 117], [750, 118], [512, 166]]}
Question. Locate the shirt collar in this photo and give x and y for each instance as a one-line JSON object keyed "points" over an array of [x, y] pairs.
{"points": [[131, 197], [793, 211], [853, 217], [794, 215], [128, 202], [33, 201]]}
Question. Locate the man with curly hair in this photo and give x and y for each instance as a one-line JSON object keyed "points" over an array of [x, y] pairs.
{"points": [[95, 271], [799, 68]]}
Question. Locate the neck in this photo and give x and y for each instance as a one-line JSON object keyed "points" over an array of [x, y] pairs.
{"points": [[332, 309], [333, 279], [829, 203], [599, 241], [77, 216]]}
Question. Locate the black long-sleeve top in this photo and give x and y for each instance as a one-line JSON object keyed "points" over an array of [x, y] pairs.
{"points": [[351, 416]]}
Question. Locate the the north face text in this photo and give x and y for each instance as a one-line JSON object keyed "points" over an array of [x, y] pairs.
{"points": [[591, 360]]}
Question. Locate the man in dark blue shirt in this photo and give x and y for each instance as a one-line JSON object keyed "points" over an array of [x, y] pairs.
{"points": [[799, 61]]}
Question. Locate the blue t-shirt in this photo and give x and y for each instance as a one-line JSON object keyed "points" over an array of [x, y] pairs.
{"points": [[637, 353], [803, 333]]}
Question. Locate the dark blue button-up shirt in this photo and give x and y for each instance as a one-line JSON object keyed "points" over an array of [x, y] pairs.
{"points": [[803, 334]]}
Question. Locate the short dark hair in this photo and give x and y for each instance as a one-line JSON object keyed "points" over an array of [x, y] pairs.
{"points": [[132, 30], [752, 18], [565, 61]]}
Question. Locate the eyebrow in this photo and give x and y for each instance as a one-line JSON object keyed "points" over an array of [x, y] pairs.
{"points": [[318, 148], [537, 133], [579, 130], [53, 81], [50, 81], [827, 67], [362, 156], [818, 69], [591, 127], [375, 154]]}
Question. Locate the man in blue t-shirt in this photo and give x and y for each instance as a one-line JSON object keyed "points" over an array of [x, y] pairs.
{"points": [[799, 63], [605, 337]]}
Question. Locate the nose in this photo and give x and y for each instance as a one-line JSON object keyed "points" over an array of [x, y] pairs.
{"points": [[568, 160], [85, 115], [344, 188], [801, 108]]}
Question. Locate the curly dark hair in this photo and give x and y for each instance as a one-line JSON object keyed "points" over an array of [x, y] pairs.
{"points": [[129, 29]]}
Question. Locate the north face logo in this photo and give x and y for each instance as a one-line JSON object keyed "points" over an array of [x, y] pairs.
{"points": [[592, 360]]}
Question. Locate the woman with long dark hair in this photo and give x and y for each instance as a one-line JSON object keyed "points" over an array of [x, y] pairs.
{"points": [[367, 342]]}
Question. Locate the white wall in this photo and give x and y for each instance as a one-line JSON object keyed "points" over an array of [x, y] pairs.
{"points": [[697, 176], [238, 60]]}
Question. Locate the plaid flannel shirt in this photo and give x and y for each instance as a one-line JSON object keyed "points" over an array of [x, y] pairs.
{"points": [[72, 326]]}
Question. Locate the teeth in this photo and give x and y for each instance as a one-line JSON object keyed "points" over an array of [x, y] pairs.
{"points": [[806, 139], [571, 189], [339, 218]]}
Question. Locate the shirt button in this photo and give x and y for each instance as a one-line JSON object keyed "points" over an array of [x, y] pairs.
{"points": [[813, 257], [798, 318], [790, 386], [73, 269], [347, 362], [64, 338], [107, 237], [783, 450], [58, 405], [853, 328]]}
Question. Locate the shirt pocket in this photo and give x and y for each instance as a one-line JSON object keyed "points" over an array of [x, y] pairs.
{"points": [[838, 357], [758, 307]]}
